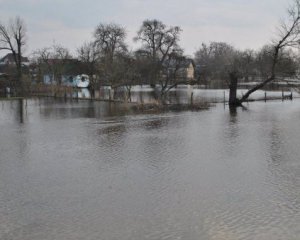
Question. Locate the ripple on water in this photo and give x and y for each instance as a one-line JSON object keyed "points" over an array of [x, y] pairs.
{"points": [[85, 173]]}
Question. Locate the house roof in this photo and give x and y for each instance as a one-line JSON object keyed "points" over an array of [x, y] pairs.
{"points": [[10, 58], [184, 63], [187, 62], [59, 60]]}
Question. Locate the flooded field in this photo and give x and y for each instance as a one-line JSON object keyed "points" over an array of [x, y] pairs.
{"points": [[181, 94], [88, 170]]}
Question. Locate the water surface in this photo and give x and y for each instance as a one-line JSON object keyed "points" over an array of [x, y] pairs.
{"points": [[87, 170]]}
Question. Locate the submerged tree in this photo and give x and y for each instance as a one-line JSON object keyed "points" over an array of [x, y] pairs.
{"points": [[13, 39], [288, 37]]}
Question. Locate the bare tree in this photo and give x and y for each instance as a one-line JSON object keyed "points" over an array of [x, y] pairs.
{"points": [[286, 65], [158, 41], [288, 37], [172, 71], [13, 39], [247, 59], [60, 60], [221, 64], [41, 59], [89, 56], [52, 61], [110, 40], [215, 60], [126, 73]]}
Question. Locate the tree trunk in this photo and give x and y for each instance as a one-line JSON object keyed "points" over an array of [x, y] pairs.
{"points": [[21, 110], [233, 101]]}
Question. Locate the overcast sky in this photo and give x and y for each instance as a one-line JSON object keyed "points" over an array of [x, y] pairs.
{"points": [[243, 23]]}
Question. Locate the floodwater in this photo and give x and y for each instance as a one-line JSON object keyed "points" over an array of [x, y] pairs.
{"points": [[87, 170], [182, 94]]}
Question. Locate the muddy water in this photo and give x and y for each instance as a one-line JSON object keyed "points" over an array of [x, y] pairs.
{"points": [[87, 170]]}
